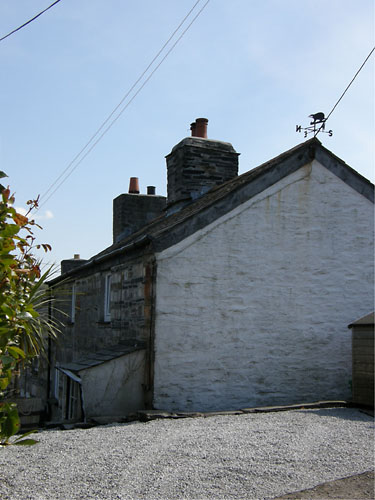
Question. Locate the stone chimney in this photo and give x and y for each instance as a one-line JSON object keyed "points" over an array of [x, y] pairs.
{"points": [[197, 164], [132, 211], [69, 264]]}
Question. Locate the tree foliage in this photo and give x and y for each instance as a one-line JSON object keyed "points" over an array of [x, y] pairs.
{"points": [[23, 328]]}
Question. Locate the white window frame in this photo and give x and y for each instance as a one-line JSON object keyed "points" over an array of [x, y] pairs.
{"points": [[107, 298]]}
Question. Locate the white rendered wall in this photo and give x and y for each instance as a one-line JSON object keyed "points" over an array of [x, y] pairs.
{"points": [[253, 309], [114, 388]]}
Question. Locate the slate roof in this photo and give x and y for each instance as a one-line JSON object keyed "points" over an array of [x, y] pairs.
{"points": [[100, 357], [167, 230]]}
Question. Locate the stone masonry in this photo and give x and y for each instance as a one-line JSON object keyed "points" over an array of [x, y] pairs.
{"points": [[90, 332], [196, 165], [133, 211]]}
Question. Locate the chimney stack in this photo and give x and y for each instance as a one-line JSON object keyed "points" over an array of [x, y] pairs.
{"points": [[197, 164], [69, 264], [132, 211]]}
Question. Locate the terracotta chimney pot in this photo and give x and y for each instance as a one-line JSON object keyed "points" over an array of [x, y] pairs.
{"points": [[193, 128], [201, 127], [134, 185]]}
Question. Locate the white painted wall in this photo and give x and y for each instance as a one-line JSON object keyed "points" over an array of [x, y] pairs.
{"points": [[114, 388], [253, 309]]}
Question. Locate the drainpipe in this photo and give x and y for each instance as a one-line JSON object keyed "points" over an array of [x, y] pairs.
{"points": [[49, 358], [150, 355]]}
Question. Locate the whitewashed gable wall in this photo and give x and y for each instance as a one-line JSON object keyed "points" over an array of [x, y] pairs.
{"points": [[253, 309]]}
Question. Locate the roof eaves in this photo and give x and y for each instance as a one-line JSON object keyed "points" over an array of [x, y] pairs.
{"points": [[345, 172], [101, 257]]}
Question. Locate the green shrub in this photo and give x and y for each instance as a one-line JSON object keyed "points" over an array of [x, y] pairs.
{"points": [[23, 330]]}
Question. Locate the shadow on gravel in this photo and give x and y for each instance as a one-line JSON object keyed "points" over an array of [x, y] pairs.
{"points": [[344, 414], [358, 487]]}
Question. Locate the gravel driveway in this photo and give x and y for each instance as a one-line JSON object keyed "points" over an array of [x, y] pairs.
{"points": [[253, 456]]}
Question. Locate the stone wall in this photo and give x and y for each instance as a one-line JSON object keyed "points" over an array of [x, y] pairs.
{"points": [[90, 331], [196, 165], [133, 211], [253, 309]]}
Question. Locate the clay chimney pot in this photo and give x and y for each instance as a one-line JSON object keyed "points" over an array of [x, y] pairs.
{"points": [[201, 127], [192, 128], [134, 185]]}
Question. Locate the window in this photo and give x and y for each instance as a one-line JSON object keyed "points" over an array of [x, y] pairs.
{"points": [[73, 400], [69, 395], [107, 298], [73, 305]]}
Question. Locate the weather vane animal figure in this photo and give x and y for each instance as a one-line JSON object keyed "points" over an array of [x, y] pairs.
{"points": [[317, 118]]}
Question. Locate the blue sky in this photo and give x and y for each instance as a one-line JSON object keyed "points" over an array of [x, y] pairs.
{"points": [[254, 68]]}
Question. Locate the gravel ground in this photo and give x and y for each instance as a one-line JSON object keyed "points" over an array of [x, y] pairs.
{"points": [[358, 487], [253, 456]]}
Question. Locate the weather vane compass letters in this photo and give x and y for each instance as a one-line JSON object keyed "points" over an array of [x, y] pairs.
{"points": [[317, 125]]}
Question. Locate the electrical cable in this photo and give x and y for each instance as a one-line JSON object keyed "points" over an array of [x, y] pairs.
{"points": [[119, 104], [44, 201], [28, 22], [342, 95]]}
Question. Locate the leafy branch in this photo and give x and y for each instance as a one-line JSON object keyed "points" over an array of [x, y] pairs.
{"points": [[23, 327]]}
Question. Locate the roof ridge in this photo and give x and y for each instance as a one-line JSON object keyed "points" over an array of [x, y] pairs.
{"points": [[303, 152]]}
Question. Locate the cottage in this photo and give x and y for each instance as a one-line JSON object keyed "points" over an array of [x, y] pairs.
{"points": [[232, 291]]}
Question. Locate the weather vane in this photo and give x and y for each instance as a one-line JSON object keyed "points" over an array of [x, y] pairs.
{"points": [[317, 124]]}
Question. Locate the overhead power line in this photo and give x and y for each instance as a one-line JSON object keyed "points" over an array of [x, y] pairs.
{"points": [[347, 88], [90, 145], [120, 103], [31, 20]]}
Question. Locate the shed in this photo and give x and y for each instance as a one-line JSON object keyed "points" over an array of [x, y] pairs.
{"points": [[363, 360], [108, 383]]}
